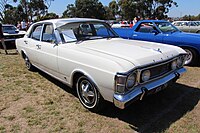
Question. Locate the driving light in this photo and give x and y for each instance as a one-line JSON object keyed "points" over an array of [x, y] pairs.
{"points": [[131, 80], [146, 75], [174, 65]]}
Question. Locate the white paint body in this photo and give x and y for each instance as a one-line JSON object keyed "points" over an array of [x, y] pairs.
{"points": [[99, 59]]}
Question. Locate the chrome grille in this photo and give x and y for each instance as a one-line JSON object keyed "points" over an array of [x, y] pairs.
{"points": [[157, 70]]}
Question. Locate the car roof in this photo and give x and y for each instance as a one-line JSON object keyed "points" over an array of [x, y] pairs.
{"points": [[62, 21]]}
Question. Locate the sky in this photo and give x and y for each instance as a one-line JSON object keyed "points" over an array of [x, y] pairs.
{"points": [[185, 7]]}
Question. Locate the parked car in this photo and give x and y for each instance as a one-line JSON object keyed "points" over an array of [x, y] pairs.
{"points": [[10, 34], [164, 32], [88, 55], [187, 26], [120, 24]]}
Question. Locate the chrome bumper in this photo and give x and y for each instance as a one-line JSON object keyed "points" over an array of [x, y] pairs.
{"points": [[121, 101]]}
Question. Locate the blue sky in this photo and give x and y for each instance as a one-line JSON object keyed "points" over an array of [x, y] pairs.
{"points": [[185, 7]]}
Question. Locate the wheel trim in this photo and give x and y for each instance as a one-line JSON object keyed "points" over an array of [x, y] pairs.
{"points": [[87, 93], [27, 63], [189, 56]]}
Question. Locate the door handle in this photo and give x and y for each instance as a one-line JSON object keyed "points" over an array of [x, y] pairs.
{"points": [[134, 34], [26, 42], [39, 46]]}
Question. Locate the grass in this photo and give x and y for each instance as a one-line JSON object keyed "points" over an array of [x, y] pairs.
{"points": [[34, 102]]}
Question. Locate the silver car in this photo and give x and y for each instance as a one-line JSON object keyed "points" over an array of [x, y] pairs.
{"points": [[187, 26]]}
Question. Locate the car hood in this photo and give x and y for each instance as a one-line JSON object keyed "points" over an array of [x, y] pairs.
{"points": [[13, 32], [136, 52]]}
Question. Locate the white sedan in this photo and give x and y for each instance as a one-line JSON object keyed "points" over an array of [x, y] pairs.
{"points": [[88, 55]]}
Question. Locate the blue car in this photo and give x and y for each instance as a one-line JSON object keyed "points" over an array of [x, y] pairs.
{"points": [[164, 32]]}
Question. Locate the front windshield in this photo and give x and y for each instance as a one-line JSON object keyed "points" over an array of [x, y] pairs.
{"points": [[166, 27], [78, 31], [6, 28]]}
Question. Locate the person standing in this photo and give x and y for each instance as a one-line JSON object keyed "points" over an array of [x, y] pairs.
{"points": [[2, 38], [23, 25]]}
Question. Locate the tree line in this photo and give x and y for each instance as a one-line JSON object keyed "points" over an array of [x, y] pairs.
{"points": [[117, 9]]}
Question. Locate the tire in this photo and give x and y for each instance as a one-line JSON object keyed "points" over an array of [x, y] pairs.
{"points": [[88, 94], [28, 64], [191, 57], [198, 32]]}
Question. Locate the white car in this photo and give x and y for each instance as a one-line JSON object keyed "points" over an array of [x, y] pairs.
{"points": [[121, 24], [187, 26], [88, 55]]}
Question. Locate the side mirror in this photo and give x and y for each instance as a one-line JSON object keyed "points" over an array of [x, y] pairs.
{"points": [[155, 32]]}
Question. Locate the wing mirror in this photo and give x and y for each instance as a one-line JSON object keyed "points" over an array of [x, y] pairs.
{"points": [[155, 32]]}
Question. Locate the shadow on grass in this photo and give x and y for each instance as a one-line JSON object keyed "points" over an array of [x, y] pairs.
{"points": [[156, 112]]}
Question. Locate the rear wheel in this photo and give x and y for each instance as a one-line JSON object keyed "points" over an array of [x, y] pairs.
{"points": [[28, 64], [88, 94], [191, 57]]}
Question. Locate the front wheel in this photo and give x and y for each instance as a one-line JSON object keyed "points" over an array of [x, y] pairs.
{"points": [[191, 56], [88, 94]]}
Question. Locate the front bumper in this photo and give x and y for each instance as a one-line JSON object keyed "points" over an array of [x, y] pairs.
{"points": [[123, 100]]}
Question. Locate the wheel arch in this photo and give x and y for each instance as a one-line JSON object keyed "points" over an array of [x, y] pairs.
{"points": [[78, 73], [23, 54], [191, 47]]}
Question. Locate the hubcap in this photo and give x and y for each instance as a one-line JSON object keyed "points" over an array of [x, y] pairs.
{"points": [[87, 92], [27, 63]]}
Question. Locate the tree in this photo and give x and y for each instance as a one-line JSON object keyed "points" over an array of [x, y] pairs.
{"points": [[3, 4], [109, 14], [85, 8], [12, 15], [128, 9], [146, 8], [113, 8], [70, 11], [34, 8]]}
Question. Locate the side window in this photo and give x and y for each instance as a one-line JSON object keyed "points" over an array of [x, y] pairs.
{"points": [[145, 28], [48, 33], [36, 33]]}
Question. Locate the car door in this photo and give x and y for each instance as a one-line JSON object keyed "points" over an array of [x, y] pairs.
{"points": [[147, 32], [30, 43], [47, 50]]}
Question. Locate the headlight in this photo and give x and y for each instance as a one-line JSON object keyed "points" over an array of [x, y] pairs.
{"points": [[174, 65], [131, 80], [146, 75]]}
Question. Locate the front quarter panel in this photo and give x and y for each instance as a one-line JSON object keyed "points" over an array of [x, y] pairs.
{"points": [[72, 59]]}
